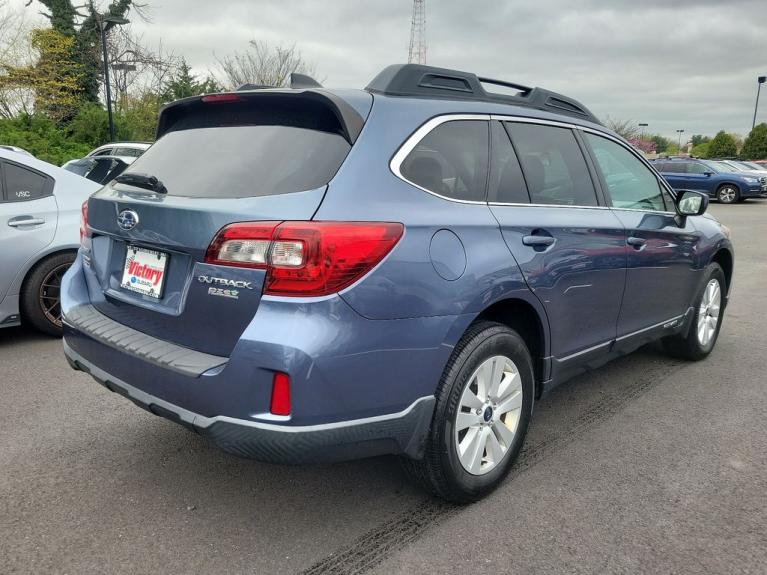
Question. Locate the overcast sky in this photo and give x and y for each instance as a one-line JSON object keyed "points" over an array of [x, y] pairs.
{"points": [[688, 64]]}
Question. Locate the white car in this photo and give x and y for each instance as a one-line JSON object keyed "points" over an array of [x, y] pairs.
{"points": [[40, 208], [126, 151], [739, 166]]}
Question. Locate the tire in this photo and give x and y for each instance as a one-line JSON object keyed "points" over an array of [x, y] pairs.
{"points": [[40, 305], [728, 194], [692, 345], [502, 355]]}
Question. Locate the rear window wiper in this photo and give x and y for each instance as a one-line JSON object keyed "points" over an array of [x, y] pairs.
{"points": [[142, 181]]}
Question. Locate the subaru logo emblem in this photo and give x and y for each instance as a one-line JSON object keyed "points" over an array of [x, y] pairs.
{"points": [[127, 219]]}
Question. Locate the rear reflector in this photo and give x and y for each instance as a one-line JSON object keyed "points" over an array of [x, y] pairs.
{"points": [[280, 403], [305, 258]]}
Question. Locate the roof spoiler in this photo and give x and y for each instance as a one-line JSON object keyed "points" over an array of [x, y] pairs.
{"points": [[427, 81], [174, 114]]}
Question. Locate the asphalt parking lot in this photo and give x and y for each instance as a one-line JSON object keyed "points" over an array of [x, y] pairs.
{"points": [[649, 465]]}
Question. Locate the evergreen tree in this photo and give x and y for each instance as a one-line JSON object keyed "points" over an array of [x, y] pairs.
{"points": [[185, 84], [755, 146], [722, 146], [86, 32]]}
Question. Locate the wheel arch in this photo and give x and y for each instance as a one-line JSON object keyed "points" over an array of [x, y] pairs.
{"points": [[531, 324], [23, 276], [726, 261]]}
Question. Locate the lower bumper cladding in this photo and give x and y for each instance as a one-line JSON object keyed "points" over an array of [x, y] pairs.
{"points": [[398, 433]]}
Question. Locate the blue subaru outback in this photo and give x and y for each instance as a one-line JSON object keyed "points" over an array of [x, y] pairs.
{"points": [[307, 275]]}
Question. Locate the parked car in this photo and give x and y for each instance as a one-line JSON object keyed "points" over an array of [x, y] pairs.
{"points": [[100, 169], [746, 167], [716, 179], [299, 289], [126, 151], [39, 222], [15, 149]]}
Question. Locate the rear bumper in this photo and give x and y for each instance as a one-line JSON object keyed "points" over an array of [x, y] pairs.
{"points": [[396, 433]]}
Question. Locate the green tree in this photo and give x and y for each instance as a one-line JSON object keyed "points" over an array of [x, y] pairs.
{"points": [[701, 150], [755, 146], [723, 145], [184, 84], [698, 139], [41, 137], [661, 143], [86, 32], [54, 78]]}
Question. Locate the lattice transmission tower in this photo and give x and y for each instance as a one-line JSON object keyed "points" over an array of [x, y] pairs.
{"points": [[417, 52]]}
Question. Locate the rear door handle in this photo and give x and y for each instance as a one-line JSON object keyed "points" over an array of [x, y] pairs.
{"points": [[538, 241], [637, 243], [25, 221]]}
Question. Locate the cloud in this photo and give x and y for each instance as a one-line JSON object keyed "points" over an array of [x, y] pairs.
{"points": [[688, 64]]}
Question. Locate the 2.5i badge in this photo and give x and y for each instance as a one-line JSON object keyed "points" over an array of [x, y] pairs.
{"points": [[222, 287]]}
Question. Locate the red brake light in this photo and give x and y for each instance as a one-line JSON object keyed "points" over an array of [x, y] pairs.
{"points": [[84, 221], [280, 403], [220, 98], [305, 258]]}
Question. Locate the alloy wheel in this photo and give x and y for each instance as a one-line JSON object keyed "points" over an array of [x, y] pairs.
{"points": [[727, 194], [49, 297], [488, 415], [708, 313]]}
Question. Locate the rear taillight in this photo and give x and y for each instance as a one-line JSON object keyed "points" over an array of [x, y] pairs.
{"points": [[305, 258], [84, 221]]}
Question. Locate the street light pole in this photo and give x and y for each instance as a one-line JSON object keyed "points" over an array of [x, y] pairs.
{"points": [[642, 126], [759, 81], [679, 143], [117, 20]]}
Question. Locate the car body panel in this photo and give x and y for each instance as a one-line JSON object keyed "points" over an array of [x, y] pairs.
{"points": [[381, 344], [60, 232]]}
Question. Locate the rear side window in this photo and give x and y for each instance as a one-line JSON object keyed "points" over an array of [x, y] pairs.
{"points": [[696, 168], [629, 182], [243, 161], [555, 169], [104, 152], [451, 160], [22, 184], [507, 184], [128, 152], [676, 167]]}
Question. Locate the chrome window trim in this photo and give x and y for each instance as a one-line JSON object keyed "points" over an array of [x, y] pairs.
{"points": [[415, 138]]}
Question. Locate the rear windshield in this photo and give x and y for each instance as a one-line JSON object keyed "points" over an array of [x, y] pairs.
{"points": [[243, 161]]}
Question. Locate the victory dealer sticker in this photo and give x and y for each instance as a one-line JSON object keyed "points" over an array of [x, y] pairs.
{"points": [[144, 271]]}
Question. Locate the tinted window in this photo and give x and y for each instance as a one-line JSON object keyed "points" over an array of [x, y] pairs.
{"points": [[104, 152], [696, 168], [451, 160], [629, 182], [22, 184], [507, 185], [676, 167], [553, 164], [128, 152], [243, 161]]}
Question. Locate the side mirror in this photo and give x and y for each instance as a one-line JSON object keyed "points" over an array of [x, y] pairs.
{"points": [[689, 203]]}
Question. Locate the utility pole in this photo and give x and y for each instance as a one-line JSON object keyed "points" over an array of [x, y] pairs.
{"points": [[417, 51]]}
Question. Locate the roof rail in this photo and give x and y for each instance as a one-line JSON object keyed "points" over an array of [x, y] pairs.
{"points": [[429, 82]]}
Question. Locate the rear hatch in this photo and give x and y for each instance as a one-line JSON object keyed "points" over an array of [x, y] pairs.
{"points": [[253, 156]]}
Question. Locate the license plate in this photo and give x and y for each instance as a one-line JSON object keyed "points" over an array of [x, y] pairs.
{"points": [[144, 271]]}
